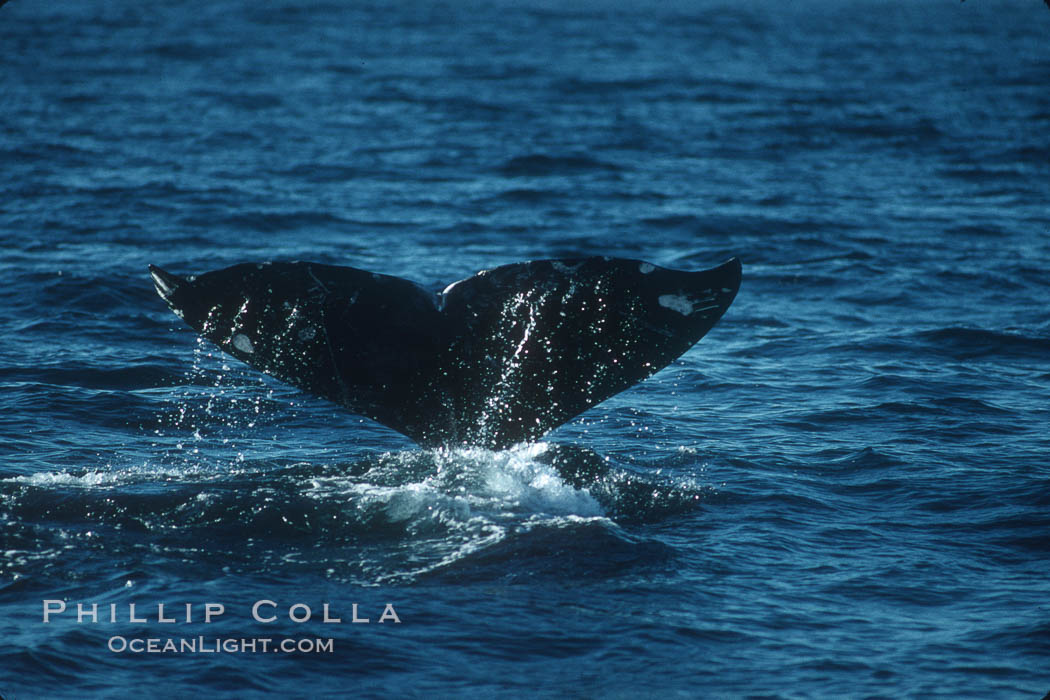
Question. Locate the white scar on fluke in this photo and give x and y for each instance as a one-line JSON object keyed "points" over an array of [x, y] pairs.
{"points": [[684, 305], [243, 343]]}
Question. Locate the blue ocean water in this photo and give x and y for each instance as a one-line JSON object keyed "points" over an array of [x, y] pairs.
{"points": [[842, 491]]}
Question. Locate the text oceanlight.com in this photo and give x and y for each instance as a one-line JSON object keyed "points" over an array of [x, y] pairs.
{"points": [[216, 645]]}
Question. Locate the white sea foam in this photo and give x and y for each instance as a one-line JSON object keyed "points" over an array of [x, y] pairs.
{"points": [[91, 479], [467, 483]]}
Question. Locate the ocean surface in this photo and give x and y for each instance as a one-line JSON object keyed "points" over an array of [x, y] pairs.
{"points": [[842, 491]]}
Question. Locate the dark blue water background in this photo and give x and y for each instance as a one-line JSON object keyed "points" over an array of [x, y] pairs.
{"points": [[842, 491]]}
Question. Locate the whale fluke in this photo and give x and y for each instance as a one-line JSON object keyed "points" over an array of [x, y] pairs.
{"points": [[499, 358]]}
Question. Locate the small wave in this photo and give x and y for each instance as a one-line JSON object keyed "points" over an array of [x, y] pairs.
{"points": [[544, 165], [49, 152], [985, 230], [686, 222], [981, 174], [584, 86], [137, 189], [527, 195], [872, 414], [245, 100], [283, 220], [132, 376], [189, 50], [866, 460], [883, 127], [591, 547], [972, 343], [321, 173]]}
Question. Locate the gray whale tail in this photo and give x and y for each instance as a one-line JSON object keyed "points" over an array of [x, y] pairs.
{"points": [[499, 358]]}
